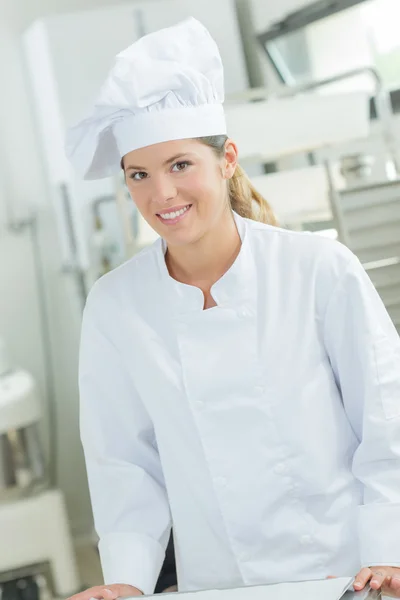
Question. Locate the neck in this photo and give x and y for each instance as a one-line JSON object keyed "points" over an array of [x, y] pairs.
{"points": [[205, 261]]}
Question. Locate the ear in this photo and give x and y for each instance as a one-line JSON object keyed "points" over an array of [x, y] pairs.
{"points": [[230, 159], [123, 167]]}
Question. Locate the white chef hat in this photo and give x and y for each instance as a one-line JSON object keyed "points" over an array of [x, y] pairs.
{"points": [[169, 85]]}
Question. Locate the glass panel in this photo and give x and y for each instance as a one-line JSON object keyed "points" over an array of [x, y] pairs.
{"points": [[364, 35]]}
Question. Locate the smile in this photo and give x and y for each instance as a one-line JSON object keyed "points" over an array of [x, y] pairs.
{"points": [[170, 218]]}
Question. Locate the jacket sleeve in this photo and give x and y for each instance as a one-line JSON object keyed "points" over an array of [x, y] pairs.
{"points": [[129, 500], [364, 350]]}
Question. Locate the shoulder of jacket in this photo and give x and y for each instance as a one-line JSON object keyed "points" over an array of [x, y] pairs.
{"points": [[303, 244], [108, 288]]}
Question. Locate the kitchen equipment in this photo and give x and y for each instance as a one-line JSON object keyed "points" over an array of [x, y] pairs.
{"points": [[35, 539], [22, 467]]}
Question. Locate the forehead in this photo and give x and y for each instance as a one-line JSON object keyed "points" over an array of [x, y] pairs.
{"points": [[159, 153]]}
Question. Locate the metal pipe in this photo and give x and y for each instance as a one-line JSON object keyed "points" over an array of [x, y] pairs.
{"points": [[48, 361], [337, 213], [74, 266]]}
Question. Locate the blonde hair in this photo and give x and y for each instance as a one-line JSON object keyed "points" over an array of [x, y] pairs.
{"points": [[245, 200]]}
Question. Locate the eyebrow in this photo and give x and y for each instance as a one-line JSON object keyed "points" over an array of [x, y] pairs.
{"points": [[166, 162]]}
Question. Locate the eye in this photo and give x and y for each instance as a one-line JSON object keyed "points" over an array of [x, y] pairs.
{"points": [[181, 166], [138, 176]]}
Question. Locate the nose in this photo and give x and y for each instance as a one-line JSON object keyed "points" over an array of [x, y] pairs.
{"points": [[163, 190]]}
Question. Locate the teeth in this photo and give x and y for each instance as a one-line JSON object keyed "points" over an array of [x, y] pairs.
{"points": [[174, 215]]}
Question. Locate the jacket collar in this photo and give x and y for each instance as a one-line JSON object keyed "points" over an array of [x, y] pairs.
{"points": [[234, 289]]}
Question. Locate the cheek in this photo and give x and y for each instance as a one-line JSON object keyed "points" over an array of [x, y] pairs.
{"points": [[202, 187], [140, 198]]}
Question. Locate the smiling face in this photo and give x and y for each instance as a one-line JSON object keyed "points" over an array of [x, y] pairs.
{"points": [[180, 188]]}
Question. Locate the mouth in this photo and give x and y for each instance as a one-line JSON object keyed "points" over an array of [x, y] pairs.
{"points": [[174, 215]]}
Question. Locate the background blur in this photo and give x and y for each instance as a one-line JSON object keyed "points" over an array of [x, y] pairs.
{"points": [[312, 98]]}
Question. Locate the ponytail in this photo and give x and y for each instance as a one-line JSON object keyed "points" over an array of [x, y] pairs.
{"points": [[244, 198], [246, 201]]}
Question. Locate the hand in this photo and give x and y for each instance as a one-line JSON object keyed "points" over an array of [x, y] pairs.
{"points": [[386, 579], [109, 592]]}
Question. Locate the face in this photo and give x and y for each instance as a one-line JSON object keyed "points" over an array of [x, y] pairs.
{"points": [[180, 187]]}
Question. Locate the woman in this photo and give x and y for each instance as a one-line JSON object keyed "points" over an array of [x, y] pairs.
{"points": [[236, 379]]}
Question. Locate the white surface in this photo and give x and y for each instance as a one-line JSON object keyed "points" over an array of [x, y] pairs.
{"points": [[325, 589], [297, 195], [277, 128], [19, 404], [207, 394], [36, 530]]}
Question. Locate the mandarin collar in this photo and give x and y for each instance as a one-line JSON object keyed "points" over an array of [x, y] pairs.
{"points": [[233, 289]]}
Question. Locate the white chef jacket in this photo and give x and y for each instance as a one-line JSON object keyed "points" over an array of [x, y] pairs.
{"points": [[267, 428]]}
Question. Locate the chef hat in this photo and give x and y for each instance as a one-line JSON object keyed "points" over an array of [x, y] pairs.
{"points": [[166, 86]]}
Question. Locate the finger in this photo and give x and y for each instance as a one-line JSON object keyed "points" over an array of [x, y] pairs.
{"points": [[110, 594], [87, 594], [98, 593], [378, 578], [362, 579], [395, 585], [94, 592], [123, 590]]}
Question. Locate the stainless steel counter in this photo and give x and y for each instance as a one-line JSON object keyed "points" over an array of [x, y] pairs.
{"points": [[366, 594], [309, 590]]}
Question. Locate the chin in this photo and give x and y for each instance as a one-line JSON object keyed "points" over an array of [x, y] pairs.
{"points": [[180, 238]]}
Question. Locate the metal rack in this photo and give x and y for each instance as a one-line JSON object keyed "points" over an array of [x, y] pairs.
{"points": [[367, 219]]}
